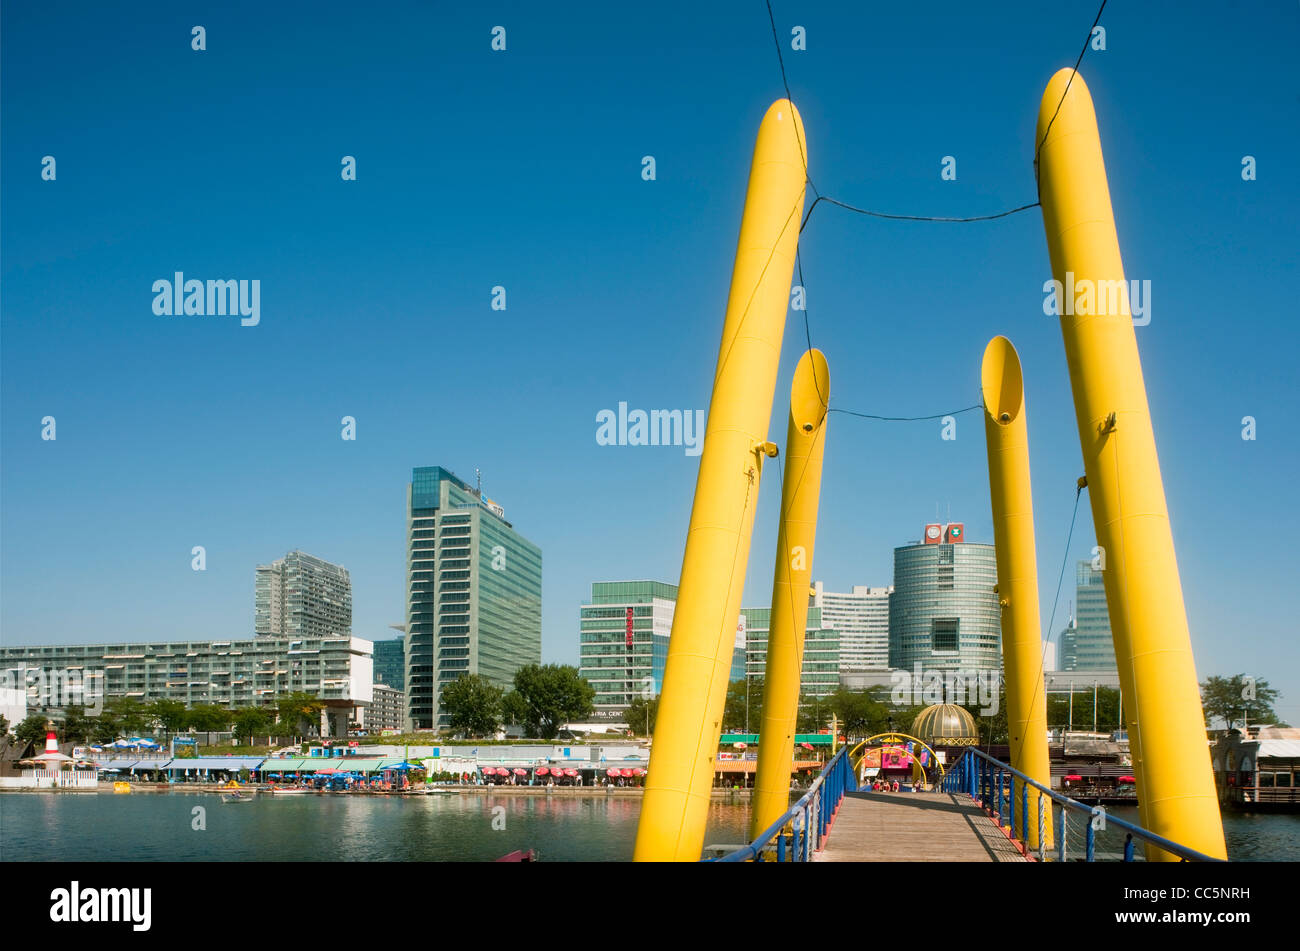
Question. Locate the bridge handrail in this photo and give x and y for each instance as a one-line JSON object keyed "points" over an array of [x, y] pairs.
{"points": [[836, 770], [955, 782]]}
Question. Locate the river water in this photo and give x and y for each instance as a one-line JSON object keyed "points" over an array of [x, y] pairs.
{"points": [[164, 827]]}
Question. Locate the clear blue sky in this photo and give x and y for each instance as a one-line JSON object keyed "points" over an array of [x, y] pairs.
{"points": [[522, 168]]}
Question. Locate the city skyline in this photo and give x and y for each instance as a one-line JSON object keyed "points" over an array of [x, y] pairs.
{"points": [[197, 431]]}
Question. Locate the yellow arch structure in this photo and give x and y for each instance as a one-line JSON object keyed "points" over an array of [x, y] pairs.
{"points": [[894, 738]]}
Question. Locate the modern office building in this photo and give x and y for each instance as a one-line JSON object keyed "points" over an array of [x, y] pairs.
{"points": [[944, 612], [623, 642], [390, 663], [300, 595], [474, 593], [337, 670], [387, 709], [1087, 644], [861, 618], [820, 674]]}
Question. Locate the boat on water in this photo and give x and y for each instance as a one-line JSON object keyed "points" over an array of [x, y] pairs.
{"points": [[290, 791], [236, 797]]}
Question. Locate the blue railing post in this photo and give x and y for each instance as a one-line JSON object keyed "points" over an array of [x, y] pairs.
{"points": [[780, 847], [1013, 810], [1061, 837], [1090, 841], [1001, 778], [1128, 847], [1024, 813], [1042, 846]]}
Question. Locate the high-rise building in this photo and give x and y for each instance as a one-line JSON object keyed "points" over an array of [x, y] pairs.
{"points": [[338, 670], [387, 709], [819, 675], [944, 612], [861, 618], [300, 595], [474, 593], [623, 642], [390, 663], [1087, 644]]}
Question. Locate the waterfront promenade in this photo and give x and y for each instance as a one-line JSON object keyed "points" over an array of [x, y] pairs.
{"points": [[915, 827]]}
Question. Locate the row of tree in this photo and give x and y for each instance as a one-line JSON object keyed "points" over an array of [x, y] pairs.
{"points": [[292, 714], [543, 698], [1231, 700]]}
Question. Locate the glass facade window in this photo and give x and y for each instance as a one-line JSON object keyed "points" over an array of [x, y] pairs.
{"points": [[474, 594], [944, 611]]}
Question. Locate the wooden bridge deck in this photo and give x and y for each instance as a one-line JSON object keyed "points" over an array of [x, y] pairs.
{"points": [[915, 827]]}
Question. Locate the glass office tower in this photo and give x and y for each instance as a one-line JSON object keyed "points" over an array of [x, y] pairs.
{"points": [[474, 593], [1088, 644], [623, 642], [944, 611], [819, 675]]}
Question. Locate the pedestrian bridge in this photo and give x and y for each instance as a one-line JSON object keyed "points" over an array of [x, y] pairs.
{"points": [[978, 812]]}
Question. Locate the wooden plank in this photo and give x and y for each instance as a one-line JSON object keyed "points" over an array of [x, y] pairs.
{"points": [[915, 827]]}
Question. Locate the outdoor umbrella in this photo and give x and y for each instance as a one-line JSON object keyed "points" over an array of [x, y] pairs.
{"points": [[570, 772], [520, 772], [542, 771], [611, 772], [1127, 779]]}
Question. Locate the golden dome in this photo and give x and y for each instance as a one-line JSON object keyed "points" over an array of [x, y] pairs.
{"points": [[946, 724]]}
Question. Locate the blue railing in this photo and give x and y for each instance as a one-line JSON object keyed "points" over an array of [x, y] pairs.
{"points": [[798, 834], [994, 785]]}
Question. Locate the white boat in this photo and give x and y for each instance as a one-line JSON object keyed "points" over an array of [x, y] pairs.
{"points": [[235, 797]]}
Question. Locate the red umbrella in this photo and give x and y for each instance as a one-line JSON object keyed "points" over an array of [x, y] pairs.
{"points": [[638, 772], [542, 771], [1127, 779], [611, 772], [1072, 778], [626, 773], [520, 772], [489, 770], [570, 772]]}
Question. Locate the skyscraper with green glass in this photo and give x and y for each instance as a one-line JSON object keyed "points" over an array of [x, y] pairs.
{"points": [[1087, 644], [474, 593]]}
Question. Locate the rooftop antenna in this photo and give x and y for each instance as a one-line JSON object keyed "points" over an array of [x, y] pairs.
{"points": [[478, 481]]}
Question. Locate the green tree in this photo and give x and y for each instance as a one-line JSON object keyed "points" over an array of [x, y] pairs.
{"points": [[744, 707], [76, 727], [814, 714], [1238, 699], [298, 712], [210, 718], [641, 713], [514, 711], [129, 714], [250, 721], [106, 727], [473, 705], [32, 729], [553, 694], [1079, 716], [857, 711], [171, 715]]}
